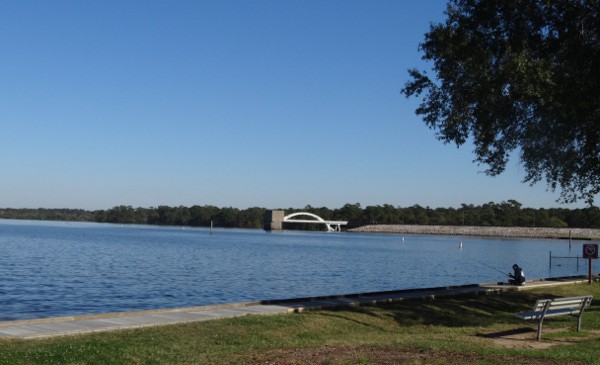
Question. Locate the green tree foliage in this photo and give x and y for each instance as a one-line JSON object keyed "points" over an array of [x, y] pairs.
{"points": [[349, 212], [518, 76], [121, 214], [196, 216], [202, 216], [73, 215]]}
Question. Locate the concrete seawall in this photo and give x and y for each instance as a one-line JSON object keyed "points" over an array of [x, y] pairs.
{"points": [[517, 232], [71, 325]]}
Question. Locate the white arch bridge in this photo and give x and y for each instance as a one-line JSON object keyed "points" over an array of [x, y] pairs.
{"points": [[332, 226]]}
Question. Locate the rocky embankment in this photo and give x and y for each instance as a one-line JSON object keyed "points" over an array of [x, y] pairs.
{"points": [[523, 232]]}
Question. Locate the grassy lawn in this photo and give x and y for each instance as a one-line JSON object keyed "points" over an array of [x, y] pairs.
{"points": [[455, 330]]}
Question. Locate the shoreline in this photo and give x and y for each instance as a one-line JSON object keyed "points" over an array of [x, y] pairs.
{"points": [[513, 232], [112, 321]]}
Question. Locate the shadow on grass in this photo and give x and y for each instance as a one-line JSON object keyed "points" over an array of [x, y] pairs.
{"points": [[456, 311], [502, 334]]}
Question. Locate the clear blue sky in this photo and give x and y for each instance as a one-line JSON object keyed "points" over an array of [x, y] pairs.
{"points": [[273, 104]]}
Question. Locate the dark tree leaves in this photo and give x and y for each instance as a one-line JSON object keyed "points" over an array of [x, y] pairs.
{"points": [[518, 76]]}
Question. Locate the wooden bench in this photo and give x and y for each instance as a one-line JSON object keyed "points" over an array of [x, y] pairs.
{"points": [[556, 307]]}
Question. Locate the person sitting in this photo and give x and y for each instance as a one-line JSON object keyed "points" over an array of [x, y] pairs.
{"points": [[518, 278]]}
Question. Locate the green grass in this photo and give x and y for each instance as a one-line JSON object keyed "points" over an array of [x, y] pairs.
{"points": [[448, 329]]}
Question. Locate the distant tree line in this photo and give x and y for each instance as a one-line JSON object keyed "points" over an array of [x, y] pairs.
{"points": [[196, 216], [506, 214], [42, 214]]}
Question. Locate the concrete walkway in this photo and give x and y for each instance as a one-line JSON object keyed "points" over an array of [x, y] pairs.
{"points": [[60, 326]]}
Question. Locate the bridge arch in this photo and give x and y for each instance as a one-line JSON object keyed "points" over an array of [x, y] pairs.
{"points": [[287, 217], [336, 224]]}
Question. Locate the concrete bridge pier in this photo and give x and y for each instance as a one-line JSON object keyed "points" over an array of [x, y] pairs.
{"points": [[274, 220]]}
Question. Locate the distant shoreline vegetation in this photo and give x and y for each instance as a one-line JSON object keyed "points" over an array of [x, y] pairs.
{"points": [[505, 214]]}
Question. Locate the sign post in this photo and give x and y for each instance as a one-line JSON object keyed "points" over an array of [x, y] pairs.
{"points": [[590, 252]]}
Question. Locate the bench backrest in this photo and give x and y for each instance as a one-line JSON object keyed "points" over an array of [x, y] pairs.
{"points": [[563, 303]]}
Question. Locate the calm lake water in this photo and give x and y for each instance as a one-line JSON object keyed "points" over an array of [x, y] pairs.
{"points": [[57, 268]]}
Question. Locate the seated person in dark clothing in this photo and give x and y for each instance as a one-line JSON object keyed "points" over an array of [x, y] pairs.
{"points": [[518, 278]]}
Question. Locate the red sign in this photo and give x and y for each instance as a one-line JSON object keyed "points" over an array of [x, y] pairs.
{"points": [[590, 251]]}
